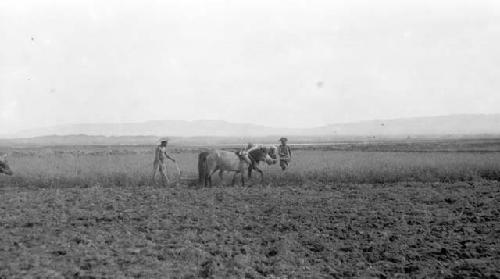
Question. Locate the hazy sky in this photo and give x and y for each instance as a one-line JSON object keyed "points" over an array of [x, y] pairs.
{"points": [[280, 63]]}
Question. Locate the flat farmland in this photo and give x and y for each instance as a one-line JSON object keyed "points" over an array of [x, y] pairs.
{"points": [[132, 166], [92, 212]]}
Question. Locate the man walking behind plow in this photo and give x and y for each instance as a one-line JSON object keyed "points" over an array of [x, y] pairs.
{"points": [[160, 162], [285, 153]]}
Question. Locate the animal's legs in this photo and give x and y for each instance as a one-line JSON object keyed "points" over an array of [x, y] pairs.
{"points": [[243, 170], [234, 178], [209, 177], [261, 173], [221, 176], [207, 180], [242, 178]]}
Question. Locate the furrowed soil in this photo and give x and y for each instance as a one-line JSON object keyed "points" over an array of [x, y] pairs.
{"points": [[411, 229]]}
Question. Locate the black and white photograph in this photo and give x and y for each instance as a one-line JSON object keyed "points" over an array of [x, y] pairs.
{"points": [[249, 139]]}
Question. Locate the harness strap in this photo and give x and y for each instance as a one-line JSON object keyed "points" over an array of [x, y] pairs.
{"points": [[251, 158]]}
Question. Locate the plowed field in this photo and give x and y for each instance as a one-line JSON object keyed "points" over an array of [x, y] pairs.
{"points": [[314, 230]]}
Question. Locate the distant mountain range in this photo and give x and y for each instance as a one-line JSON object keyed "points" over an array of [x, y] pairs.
{"points": [[173, 128], [467, 124], [464, 124]]}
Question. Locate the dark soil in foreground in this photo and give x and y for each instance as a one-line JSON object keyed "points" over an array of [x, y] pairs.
{"points": [[318, 231]]}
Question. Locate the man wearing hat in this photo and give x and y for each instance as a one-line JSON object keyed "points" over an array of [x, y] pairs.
{"points": [[285, 153], [160, 162]]}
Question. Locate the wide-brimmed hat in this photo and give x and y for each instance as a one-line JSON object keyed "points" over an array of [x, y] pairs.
{"points": [[283, 139], [164, 140]]}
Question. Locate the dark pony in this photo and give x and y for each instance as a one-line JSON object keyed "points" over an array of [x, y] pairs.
{"points": [[268, 154]]}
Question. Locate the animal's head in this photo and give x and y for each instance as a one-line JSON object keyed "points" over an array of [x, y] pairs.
{"points": [[273, 152], [4, 165], [270, 154]]}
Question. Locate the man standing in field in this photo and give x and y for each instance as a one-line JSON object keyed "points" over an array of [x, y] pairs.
{"points": [[285, 153], [160, 162]]}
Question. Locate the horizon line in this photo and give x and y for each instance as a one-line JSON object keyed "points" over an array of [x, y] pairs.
{"points": [[246, 123]]}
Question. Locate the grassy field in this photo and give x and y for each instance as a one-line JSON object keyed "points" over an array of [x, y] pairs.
{"points": [[133, 167], [92, 212]]}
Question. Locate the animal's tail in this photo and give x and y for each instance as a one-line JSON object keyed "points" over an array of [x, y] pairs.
{"points": [[202, 167]]}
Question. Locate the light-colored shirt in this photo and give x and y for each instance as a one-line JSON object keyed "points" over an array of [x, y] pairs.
{"points": [[284, 151], [161, 154]]}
